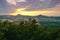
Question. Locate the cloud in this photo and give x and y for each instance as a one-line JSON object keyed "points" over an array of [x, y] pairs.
{"points": [[6, 7], [54, 3], [35, 4], [20, 0], [56, 8], [54, 11], [14, 2], [11, 2], [39, 4], [11, 5]]}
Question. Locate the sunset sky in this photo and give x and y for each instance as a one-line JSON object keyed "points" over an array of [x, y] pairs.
{"points": [[30, 7]]}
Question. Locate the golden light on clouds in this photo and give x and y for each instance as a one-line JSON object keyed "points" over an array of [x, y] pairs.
{"points": [[23, 11]]}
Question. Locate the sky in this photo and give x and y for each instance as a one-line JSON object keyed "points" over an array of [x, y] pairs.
{"points": [[30, 7]]}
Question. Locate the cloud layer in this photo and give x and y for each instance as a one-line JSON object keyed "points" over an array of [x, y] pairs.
{"points": [[8, 6], [35, 4]]}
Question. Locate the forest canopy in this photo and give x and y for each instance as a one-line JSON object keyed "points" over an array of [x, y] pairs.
{"points": [[28, 30]]}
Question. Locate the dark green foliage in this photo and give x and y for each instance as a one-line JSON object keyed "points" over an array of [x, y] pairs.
{"points": [[28, 30]]}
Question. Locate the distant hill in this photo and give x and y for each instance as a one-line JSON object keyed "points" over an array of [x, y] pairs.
{"points": [[39, 17]]}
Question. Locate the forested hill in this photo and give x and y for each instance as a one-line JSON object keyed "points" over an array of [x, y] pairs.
{"points": [[40, 17]]}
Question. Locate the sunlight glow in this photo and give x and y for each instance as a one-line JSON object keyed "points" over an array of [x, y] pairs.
{"points": [[23, 11]]}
